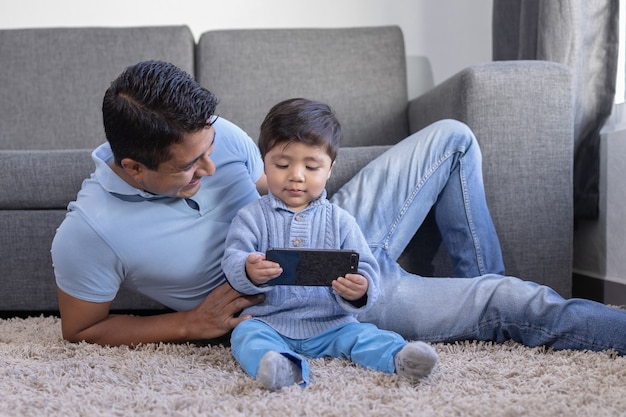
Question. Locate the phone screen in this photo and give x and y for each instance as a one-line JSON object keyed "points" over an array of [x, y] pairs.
{"points": [[313, 267]]}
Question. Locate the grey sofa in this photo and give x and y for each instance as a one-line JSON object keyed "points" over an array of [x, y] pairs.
{"points": [[52, 82]]}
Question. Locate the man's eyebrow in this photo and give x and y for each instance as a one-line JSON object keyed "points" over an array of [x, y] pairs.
{"points": [[201, 155]]}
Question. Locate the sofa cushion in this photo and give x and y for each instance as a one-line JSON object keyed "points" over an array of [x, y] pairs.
{"points": [[360, 72], [53, 80], [27, 275], [36, 180], [349, 162]]}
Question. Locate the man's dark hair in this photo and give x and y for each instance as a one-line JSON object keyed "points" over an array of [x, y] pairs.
{"points": [[301, 120], [151, 106]]}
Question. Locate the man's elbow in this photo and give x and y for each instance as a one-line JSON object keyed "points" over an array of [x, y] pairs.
{"points": [[71, 337]]}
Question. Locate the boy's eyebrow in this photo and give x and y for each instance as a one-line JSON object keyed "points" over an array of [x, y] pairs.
{"points": [[306, 158], [313, 158]]}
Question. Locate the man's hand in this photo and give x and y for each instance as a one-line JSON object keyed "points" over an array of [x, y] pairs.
{"points": [[215, 316], [351, 287], [260, 270]]}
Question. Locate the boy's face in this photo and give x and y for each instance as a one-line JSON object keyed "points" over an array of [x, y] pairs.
{"points": [[297, 173]]}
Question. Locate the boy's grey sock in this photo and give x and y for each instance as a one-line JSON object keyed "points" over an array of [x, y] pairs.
{"points": [[415, 360], [277, 371]]}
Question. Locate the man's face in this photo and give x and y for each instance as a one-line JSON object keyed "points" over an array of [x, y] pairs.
{"points": [[180, 175]]}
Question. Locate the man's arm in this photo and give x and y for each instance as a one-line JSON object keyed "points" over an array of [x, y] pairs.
{"points": [[93, 323]]}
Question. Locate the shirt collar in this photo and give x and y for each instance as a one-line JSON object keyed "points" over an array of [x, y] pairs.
{"points": [[109, 180]]}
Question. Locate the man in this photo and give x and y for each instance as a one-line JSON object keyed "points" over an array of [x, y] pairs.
{"points": [[154, 216]]}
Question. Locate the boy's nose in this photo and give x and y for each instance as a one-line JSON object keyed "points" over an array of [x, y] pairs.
{"points": [[296, 175]]}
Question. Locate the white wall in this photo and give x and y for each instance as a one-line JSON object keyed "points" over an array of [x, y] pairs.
{"points": [[452, 34]]}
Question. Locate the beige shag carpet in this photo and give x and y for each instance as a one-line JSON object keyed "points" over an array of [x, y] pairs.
{"points": [[43, 375]]}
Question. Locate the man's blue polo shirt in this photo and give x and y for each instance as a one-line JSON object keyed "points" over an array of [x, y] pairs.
{"points": [[115, 235]]}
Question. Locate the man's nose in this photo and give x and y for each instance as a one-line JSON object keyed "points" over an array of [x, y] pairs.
{"points": [[206, 167]]}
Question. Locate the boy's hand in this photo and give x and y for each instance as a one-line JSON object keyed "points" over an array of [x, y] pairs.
{"points": [[260, 270], [351, 287]]}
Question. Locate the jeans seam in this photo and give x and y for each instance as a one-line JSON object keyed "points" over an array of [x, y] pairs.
{"points": [[418, 187], [470, 219], [409, 200]]}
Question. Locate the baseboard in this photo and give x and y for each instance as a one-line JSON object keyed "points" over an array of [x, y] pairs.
{"points": [[600, 290], [7, 314]]}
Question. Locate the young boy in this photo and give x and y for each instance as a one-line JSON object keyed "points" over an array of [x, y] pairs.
{"points": [[299, 140]]}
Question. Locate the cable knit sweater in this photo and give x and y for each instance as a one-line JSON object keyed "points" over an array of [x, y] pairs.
{"points": [[295, 311]]}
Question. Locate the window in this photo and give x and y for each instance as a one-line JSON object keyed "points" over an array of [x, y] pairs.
{"points": [[617, 120], [621, 63]]}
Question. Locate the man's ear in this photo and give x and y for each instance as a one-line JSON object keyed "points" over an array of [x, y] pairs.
{"points": [[134, 169]]}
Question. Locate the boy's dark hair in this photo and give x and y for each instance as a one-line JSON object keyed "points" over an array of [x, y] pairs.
{"points": [[151, 106], [301, 120]]}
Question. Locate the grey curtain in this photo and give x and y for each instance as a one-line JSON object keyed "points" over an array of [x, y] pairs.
{"points": [[582, 34]]}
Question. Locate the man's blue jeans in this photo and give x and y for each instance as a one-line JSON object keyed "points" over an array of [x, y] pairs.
{"points": [[440, 167]]}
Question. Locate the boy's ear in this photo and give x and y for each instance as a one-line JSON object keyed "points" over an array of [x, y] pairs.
{"points": [[330, 171], [133, 168]]}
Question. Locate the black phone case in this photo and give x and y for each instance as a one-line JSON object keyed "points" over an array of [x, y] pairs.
{"points": [[312, 267]]}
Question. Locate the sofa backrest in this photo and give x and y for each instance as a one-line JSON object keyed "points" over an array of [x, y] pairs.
{"points": [[51, 86], [52, 80], [360, 72]]}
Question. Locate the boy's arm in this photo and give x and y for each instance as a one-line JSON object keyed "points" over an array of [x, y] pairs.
{"points": [[242, 245], [352, 238]]}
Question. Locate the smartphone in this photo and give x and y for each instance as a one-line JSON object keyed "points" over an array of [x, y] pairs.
{"points": [[313, 267]]}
